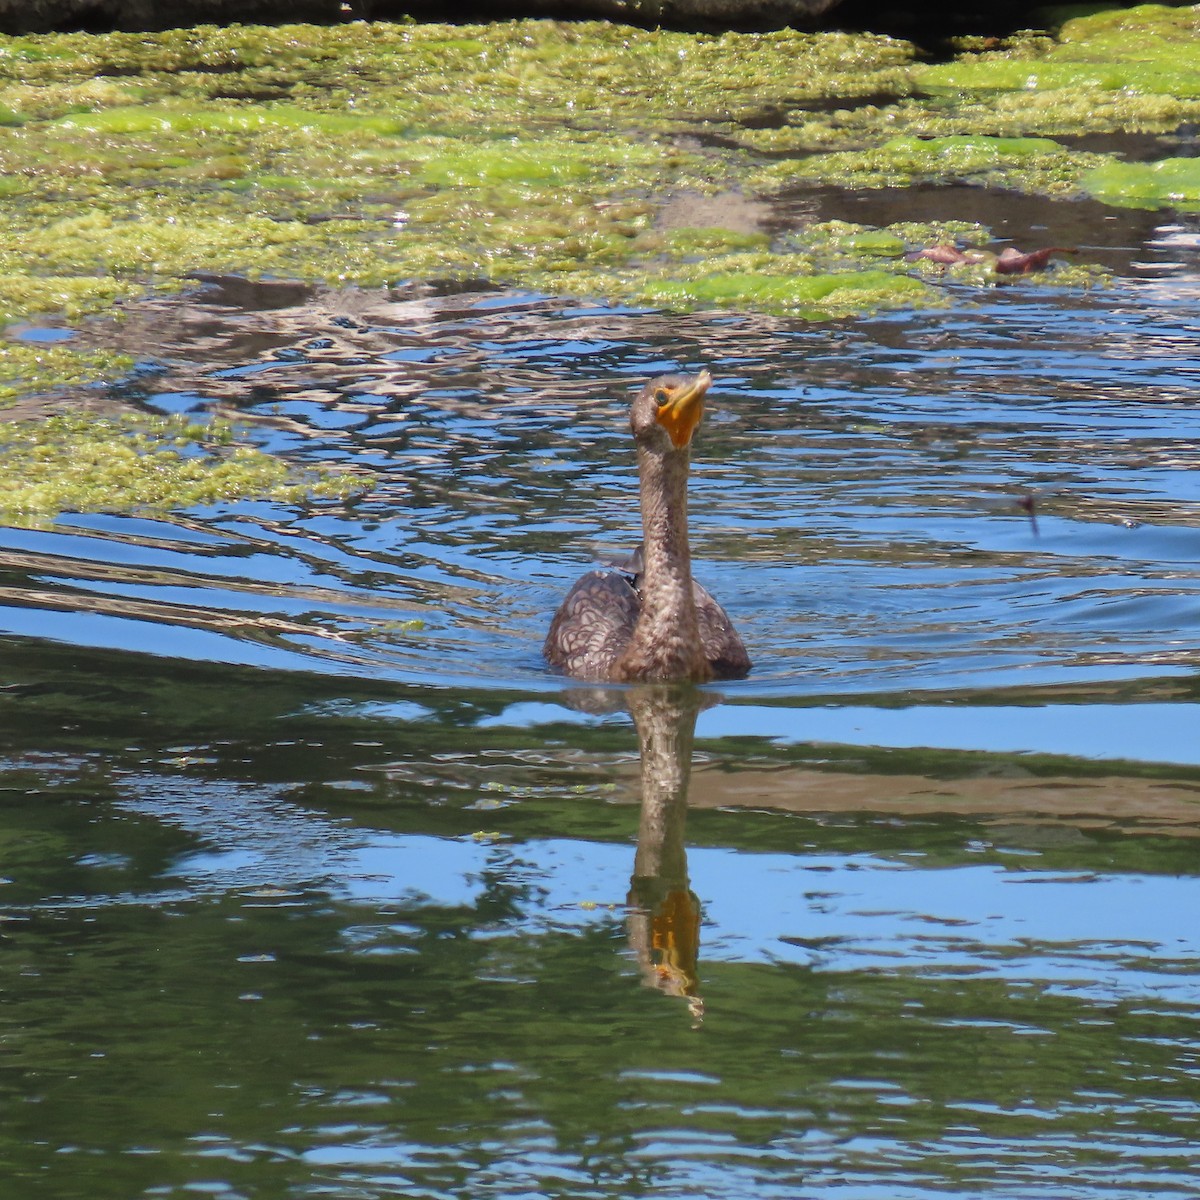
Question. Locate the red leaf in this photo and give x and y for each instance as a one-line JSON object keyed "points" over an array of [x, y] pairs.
{"points": [[1011, 261], [942, 254]]}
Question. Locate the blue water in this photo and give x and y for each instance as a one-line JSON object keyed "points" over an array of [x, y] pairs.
{"points": [[317, 883]]}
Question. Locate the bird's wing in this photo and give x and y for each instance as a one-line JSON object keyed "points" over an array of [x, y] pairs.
{"points": [[593, 625], [722, 646], [630, 565]]}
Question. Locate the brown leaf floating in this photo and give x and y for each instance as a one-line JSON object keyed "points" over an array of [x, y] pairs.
{"points": [[1010, 260]]}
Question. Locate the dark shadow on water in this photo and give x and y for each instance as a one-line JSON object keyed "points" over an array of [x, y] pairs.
{"points": [[933, 28]]}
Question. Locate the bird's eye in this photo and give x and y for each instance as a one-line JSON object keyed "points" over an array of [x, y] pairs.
{"points": [[662, 396]]}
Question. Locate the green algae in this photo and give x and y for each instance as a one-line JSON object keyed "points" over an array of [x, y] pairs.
{"points": [[501, 73], [691, 243], [1171, 181], [24, 295], [1035, 165], [1139, 61], [508, 161], [81, 464], [531, 153], [1143, 31], [27, 367], [816, 295], [987, 73], [411, 151], [148, 243], [47, 100], [177, 119], [1056, 112], [917, 234]]}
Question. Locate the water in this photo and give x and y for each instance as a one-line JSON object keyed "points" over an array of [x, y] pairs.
{"points": [[316, 883]]}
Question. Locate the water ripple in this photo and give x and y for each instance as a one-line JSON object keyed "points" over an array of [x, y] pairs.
{"points": [[860, 493]]}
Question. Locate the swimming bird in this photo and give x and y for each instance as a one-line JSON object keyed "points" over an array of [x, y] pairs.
{"points": [[660, 624]]}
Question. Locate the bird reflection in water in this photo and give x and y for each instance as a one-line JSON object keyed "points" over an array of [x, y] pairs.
{"points": [[651, 624], [664, 913]]}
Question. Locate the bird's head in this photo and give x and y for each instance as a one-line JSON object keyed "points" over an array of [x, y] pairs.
{"points": [[669, 408]]}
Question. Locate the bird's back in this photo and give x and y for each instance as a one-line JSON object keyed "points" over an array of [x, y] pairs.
{"points": [[593, 625], [596, 620]]}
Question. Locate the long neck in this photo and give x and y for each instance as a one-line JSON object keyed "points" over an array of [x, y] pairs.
{"points": [[666, 641], [667, 557]]}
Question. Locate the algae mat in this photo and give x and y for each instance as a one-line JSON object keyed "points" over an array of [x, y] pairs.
{"points": [[542, 156], [537, 154]]}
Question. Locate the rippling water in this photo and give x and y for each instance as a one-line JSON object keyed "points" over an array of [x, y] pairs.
{"points": [[316, 883]]}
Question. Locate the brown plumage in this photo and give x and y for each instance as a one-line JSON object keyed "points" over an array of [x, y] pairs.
{"points": [[660, 624]]}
